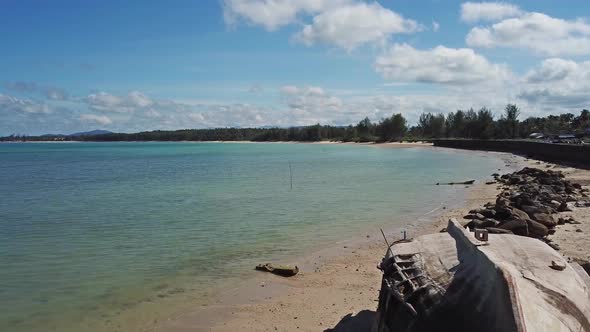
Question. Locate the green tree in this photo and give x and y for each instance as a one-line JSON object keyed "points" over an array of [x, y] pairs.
{"points": [[511, 113], [392, 128]]}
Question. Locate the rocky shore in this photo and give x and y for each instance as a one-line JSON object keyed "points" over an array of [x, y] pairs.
{"points": [[532, 202]]}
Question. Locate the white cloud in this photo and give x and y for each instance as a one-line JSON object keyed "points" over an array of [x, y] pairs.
{"points": [[553, 69], [273, 14], [536, 32], [54, 93], [302, 91], [488, 11], [99, 119], [438, 65], [14, 104], [138, 99], [310, 104], [353, 25], [435, 26], [558, 83], [106, 102]]}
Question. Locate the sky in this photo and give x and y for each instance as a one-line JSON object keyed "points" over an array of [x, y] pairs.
{"points": [[128, 66]]}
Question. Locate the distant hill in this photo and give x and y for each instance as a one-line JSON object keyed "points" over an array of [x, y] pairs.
{"points": [[90, 133]]}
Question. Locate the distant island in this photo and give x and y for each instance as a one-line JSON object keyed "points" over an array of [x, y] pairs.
{"points": [[460, 124]]}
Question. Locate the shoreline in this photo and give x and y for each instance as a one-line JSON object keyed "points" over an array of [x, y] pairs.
{"points": [[333, 282], [386, 144]]}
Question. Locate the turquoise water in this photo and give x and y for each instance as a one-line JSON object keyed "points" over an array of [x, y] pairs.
{"points": [[114, 236]]}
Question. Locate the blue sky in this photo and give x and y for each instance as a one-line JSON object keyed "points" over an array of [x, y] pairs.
{"points": [[67, 66]]}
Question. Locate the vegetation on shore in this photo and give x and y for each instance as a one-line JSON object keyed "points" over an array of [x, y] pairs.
{"points": [[460, 124]]}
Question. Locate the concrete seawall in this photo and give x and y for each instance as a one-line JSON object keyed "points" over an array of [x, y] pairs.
{"points": [[579, 154]]}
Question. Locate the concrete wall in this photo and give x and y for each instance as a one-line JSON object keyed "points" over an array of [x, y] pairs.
{"points": [[547, 151]]}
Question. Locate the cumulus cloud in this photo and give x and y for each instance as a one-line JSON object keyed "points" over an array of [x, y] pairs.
{"points": [[302, 91], [537, 32], [353, 25], [14, 104], [435, 26], [54, 93], [311, 104], [98, 119], [558, 83], [488, 11], [554, 69], [441, 64], [273, 14], [106, 102]]}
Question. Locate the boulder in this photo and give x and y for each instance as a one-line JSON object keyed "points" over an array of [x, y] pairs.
{"points": [[494, 230], [545, 219], [537, 229], [513, 224], [531, 210], [477, 216], [519, 214], [502, 201], [563, 207]]}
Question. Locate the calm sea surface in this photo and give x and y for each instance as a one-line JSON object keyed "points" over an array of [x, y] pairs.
{"points": [[115, 236]]}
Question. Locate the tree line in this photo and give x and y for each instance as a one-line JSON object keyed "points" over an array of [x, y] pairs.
{"points": [[479, 124]]}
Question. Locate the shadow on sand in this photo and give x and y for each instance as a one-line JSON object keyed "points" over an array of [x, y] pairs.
{"points": [[363, 321]]}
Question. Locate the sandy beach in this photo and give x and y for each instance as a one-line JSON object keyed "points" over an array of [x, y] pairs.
{"points": [[337, 287]]}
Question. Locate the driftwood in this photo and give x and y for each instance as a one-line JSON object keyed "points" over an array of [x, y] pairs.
{"points": [[454, 183], [281, 270]]}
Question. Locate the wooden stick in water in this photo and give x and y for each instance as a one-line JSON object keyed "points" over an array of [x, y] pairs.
{"points": [[291, 175]]}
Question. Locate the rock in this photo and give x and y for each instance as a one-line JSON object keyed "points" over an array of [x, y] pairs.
{"points": [[501, 201], [513, 224], [474, 216], [579, 231], [563, 207], [494, 230], [282, 270], [537, 229], [488, 213], [555, 204], [503, 212], [489, 222], [482, 223], [491, 182], [531, 210], [545, 219], [555, 246], [557, 266], [519, 214]]}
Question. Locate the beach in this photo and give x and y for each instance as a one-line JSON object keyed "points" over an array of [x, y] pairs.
{"points": [[175, 263], [338, 286]]}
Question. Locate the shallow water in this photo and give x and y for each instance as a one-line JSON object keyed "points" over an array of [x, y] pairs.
{"points": [[114, 236]]}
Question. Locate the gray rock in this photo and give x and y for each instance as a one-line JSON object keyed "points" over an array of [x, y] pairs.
{"points": [[545, 219], [494, 230], [557, 266], [537, 229], [513, 224]]}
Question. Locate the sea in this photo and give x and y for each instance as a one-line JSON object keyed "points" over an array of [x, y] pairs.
{"points": [[119, 236]]}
